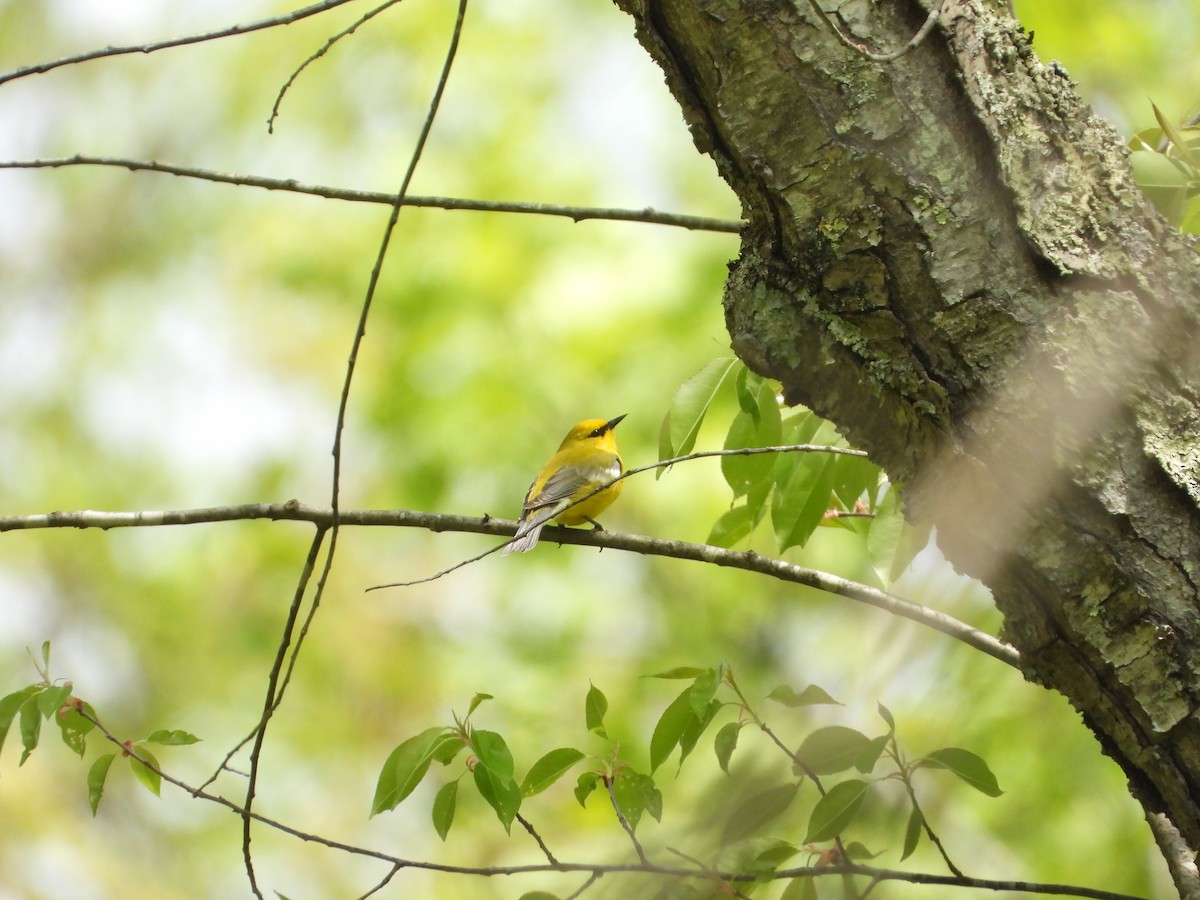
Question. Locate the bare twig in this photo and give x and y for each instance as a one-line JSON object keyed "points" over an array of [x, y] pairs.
{"points": [[575, 213], [637, 845], [859, 46], [345, 32], [231, 31], [528, 826]]}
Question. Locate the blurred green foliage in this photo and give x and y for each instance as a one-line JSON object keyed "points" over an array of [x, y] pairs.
{"points": [[167, 343]]}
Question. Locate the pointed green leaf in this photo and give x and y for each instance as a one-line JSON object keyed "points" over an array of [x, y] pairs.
{"points": [[405, 767], [444, 805], [475, 701], [755, 811], [891, 542], [912, 833], [45, 656], [96, 777], [803, 492], [871, 753], [695, 728], [704, 688], [746, 385], [584, 785], [856, 850], [836, 810], [966, 765], [173, 738], [689, 407], [670, 727], [595, 706], [802, 888], [549, 769], [492, 752], [10, 706], [31, 725], [725, 743], [760, 427], [734, 525], [855, 478], [810, 696], [635, 794], [75, 727], [886, 715], [538, 895], [143, 773], [500, 792], [51, 699], [832, 749], [679, 673]]}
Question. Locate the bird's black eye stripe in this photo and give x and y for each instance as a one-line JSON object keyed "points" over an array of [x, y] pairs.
{"points": [[599, 431]]}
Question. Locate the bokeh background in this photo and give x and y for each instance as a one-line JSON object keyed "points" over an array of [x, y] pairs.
{"points": [[168, 343]]}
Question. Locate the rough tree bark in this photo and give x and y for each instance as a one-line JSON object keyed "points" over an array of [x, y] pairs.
{"points": [[947, 257]]}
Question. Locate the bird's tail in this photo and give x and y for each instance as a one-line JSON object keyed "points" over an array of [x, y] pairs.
{"points": [[525, 539]]}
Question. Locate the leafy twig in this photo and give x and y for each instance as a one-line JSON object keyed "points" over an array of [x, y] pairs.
{"points": [[637, 845]]}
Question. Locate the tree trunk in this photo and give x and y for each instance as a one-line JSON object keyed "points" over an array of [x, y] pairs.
{"points": [[947, 257]]}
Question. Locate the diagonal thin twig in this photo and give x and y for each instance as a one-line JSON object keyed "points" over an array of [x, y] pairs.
{"points": [[325, 48], [272, 700], [232, 31]]}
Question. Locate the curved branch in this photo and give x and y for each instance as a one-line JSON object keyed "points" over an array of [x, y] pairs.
{"points": [[575, 213]]}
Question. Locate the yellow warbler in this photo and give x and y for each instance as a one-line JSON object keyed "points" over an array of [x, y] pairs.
{"points": [[586, 460]]}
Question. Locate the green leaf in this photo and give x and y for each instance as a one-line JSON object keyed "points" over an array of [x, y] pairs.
{"points": [[695, 728], [173, 738], [31, 725], [777, 853], [494, 775], [51, 699], [802, 888], [143, 773], [405, 767], [912, 833], [746, 385], [755, 811], [732, 526], [10, 706], [891, 542], [670, 727], [95, 779], [810, 696], [594, 707], [688, 408], [725, 743], [549, 769], [45, 656], [635, 794], [74, 727], [966, 765], [444, 805], [538, 895], [492, 752], [584, 785], [836, 810], [803, 490], [680, 672], [886, 715], [856, 850], [854, 477], [500, 792], [704, 688], [758, 427], [832, 749], [871, 753], [475, 701]]}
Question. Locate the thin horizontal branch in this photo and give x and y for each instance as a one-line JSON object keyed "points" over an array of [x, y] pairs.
{"points": [[151, 47], [746, 560], [575, 213], [732, 877]]}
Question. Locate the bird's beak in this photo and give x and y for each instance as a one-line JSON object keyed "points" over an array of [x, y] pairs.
{"points": [[612, 423]]}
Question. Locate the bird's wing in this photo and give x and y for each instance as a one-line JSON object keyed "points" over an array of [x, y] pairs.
{"points": [[563, 485]]}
